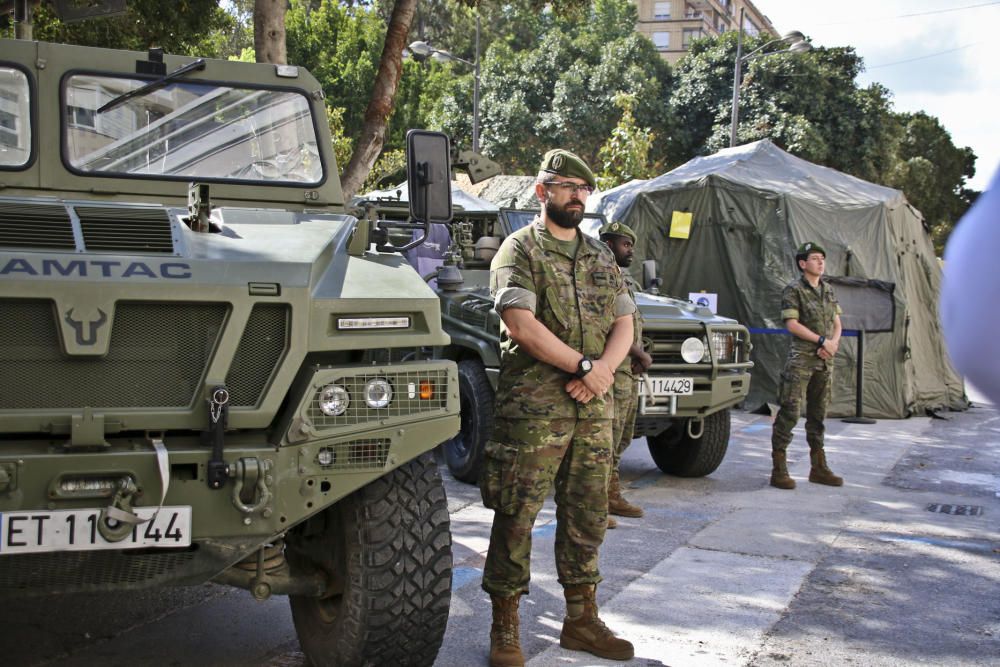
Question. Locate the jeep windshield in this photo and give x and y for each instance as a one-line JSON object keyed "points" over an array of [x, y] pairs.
{"points": [[190, 131]]}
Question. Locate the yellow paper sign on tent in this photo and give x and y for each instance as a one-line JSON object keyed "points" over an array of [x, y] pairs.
{"points": [[680, 225]]}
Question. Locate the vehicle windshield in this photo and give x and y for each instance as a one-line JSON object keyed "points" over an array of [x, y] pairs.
{"points": [[15, 119], [190, 130]]}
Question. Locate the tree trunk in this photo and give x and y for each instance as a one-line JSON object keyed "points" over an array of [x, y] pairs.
{"points": [[269, 31], [390, 69]]}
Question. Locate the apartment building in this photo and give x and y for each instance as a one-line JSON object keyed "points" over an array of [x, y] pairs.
{"points": [[673, 24]]}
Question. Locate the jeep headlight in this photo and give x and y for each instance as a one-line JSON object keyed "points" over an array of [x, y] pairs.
{"points": [[693, 350], [723, 344], [378, 393], [333, 400]]}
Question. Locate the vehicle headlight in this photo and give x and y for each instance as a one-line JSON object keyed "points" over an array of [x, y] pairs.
{"points": [[722, 345], [333, 400], [692, 350], [378, 393]]}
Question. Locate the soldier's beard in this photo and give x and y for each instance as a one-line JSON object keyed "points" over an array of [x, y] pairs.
{"points": [[562, 217]]}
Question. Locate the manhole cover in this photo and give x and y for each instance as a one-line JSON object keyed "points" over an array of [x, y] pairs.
{"points": [[955, 510]]}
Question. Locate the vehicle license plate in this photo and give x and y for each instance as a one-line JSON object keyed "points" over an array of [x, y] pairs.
{"points": [[76, 530], [666, 386]]}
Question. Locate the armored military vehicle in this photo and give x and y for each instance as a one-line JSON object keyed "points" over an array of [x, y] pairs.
{"points": [[210, 371], [701, 361]]}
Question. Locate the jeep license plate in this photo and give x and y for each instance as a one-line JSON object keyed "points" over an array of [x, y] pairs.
{"points": [[76, 530], [664, 386]]}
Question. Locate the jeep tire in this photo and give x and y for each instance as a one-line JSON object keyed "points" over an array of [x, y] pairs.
{"points": [[464, 452], [676, 453], [386, 550]]}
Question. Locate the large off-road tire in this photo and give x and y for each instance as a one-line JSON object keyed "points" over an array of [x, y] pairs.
{"points": [[675, 453], [387, 552], [464, 452]]}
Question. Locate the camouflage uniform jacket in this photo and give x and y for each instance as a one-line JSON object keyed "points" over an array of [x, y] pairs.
{"points": [[577, 299], [633, 287], [815, 308]]}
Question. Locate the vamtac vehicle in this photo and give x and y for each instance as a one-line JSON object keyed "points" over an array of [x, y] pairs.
{"points": [[701, 361], [199, 360]]}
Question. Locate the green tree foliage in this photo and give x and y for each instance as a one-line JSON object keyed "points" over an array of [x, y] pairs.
{"points": [[931, 170], [812, 106], [340, 45], [560, 88], [625, 155], [190, 27]]}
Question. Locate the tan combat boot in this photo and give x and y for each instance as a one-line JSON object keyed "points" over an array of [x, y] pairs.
{"points": [[505, 641], [820, 472], [582, 630], [612, 524], [617, 503], [779, 472]]}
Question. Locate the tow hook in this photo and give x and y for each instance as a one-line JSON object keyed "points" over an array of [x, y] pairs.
{"points": [[690, 427], [251, 481], [120, 512]]}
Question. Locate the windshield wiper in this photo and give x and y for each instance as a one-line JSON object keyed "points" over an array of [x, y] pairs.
{"points": [[154, 85]]}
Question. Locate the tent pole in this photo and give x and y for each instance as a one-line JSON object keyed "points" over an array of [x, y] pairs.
{"points": [[859, 391]]}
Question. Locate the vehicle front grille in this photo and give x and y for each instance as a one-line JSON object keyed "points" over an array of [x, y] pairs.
{"points": [[406, 387], [45, 226], [261, 349], [156, 358], [87, 569], [355, 455], [665, 346], [125, 229]]}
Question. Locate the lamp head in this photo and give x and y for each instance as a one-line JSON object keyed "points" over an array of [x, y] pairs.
{"points": [[794, 36], [421, 49], [801, 46]]}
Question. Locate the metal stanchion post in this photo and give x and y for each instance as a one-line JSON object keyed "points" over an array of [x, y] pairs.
{"points": [[859, 392]]}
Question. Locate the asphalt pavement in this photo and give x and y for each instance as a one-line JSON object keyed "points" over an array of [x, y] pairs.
{"points": [[900, 566]]}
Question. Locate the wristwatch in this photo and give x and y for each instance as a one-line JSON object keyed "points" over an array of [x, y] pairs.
{"points": [[819, 343], [584, 367]]}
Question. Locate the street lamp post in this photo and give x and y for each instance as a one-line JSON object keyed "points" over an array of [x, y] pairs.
{"points": [[798, 44], [422, 50]]}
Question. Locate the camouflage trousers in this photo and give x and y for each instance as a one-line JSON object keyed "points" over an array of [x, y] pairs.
{"points": [[626, 405], [523, 460], [814, 379]]}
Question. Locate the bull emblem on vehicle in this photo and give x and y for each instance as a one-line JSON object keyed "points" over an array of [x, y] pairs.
{"points": [[78, 327]]}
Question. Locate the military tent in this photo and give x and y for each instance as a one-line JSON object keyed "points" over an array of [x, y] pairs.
{"points": [[750, 207]]}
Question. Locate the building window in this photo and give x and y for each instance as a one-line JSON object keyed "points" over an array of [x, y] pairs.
{"points": [[691, 34], [661, 40], [692, 12], [661, 10], [751, 29]]}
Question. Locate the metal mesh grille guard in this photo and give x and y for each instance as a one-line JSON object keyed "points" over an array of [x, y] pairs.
{"points": [[405, 397]]}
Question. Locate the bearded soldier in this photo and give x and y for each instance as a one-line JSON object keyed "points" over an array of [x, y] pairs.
{"points": [[566, 325]]}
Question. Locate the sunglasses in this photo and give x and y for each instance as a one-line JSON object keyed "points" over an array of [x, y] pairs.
{"points": [[570, 188]]}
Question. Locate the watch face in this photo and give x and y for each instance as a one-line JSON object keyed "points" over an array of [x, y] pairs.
{"points": [[586, 364]]}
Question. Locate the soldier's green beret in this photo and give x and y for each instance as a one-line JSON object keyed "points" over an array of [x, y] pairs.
{"points": [[617, 229], [562, 162], [807, 249]]}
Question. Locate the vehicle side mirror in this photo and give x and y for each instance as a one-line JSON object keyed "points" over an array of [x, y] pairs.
{"points": [[650, 283], [428, 176]]}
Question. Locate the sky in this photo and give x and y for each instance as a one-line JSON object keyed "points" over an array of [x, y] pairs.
{"points": [[935, 56]]}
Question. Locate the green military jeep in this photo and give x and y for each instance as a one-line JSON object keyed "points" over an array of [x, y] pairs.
{"points": [[701, 362], [201, 375]]}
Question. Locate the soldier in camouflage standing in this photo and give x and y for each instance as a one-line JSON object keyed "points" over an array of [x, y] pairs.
{"points": [[812, 315], [566, 325], [621, 239]]}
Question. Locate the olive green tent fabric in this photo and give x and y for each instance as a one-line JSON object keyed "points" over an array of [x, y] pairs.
{"points": [[750, 207]]}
